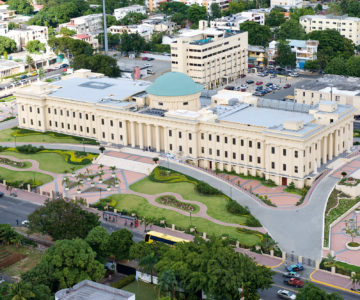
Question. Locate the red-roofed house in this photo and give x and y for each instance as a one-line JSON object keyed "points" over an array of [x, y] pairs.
{"points": [[87, 38]]}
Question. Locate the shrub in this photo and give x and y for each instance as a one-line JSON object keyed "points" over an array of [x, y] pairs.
{"points": [[160, 174], [2, 148], [236, 209], [251, 221], [123, 282], [29, 149], [204, 188]]}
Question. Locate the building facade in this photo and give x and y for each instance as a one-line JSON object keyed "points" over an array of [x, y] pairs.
{"points": [[89, 38], [256, 55], [233, 22], [143, 30], [10, 67], [26, 34], [210, 56], [284, 142], [120, 13], [342, 90], [90, 24], [286, 3], [348, 27]]}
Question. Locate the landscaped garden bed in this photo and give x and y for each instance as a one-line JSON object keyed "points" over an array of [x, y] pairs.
{"points": [[349, 181], [340, 267], [293, 190], [170, 200], [16, 164]]}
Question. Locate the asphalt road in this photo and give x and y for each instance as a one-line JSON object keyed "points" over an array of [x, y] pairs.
{"points": [[279, 284]]}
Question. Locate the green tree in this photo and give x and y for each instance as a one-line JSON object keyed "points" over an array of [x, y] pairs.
{"points": [[236, 7], [70, 46], [168, 283], [8, 236], [35, 46], [195, 13], [64, 264], [5, 54], [62, 220], [7, 44], [290, 30], [171, 8], [132, 18], [284, 56], [21, 291], [336, 66], [353, 67], [22, 7], [98, 239], [67, 32], [110, 21], [97, 63], [215, 10], [147, 264], [312, 292], [132, 42], [296, 12], [178, 18], [30, 62], [312, 65], [120, 243], [113, 39], [275, 18], [259, 35], [12, 25]]}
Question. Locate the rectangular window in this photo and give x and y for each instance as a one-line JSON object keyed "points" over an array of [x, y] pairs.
{"points": [[234, 141], [242, 142], [111, 123], [259, 160], [61, 112], [234, 155], [180, 148], [62, 125], [218, 138], [31, 122], [272, 165], [38, 110], [49, 110], [56, 124], [103, 134], [24, 120], [112, 136], [68, 126], [120, 124], [170, 132], [102, 121], [296, 154], [225, 140], [74, 114], [296, 169], [80, 115], [49, 123], [217, 152], [55, 111], [202, 136], [67, 113], [170, 146], [180, 135], [121, 137], [210, 151], [242, 156], [30, 109], [93, 118], [209, 137], [284, 167], [190, 136], [39, 122], [272, 150], [250, 144], [190, 150], [22, 108], [202, 150], [226, 154], [74, 127], [250, 158], [87, 129], [86, 116], [284, 152], [81, 129], [259, 145], [94, 131]]}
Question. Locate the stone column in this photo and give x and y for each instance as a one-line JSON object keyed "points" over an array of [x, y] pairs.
{"points": [[166, 139], [148, 130], [141, 136], [132, 133], [195, 148], [331, 146], [324, 154], [336, 141], [125, 137], [157, 138]]}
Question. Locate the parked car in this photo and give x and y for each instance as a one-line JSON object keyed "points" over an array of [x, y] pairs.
{"points": [[242, 89], [285, 294], [64, 66], [294, 74], [150, 58], [49, 70], [286, 86], [1, 194], [249, 81], [242, 75], [24, 76], [295, 268], [269, 84], [258, 93], [295, 282], [25, 223], [33, 74], [148, 65], [149, 71], [262, 74], [291, 275], [273, 76], [244, 86], [259, 82], [144, 58], [230, 88], [259, 88]]}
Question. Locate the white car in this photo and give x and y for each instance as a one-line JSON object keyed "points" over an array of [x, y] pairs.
{"points": [[148, 65], [285, 294], [25, 222], [244, 86]]}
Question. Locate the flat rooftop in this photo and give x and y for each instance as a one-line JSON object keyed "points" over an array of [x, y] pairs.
{"points": [[94, 90], [340, 85]]}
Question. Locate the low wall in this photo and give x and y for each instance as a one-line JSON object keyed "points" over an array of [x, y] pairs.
{"points": [[353, 191], [146, 277]]}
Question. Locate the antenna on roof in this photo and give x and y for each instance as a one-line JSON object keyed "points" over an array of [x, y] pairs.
{"points": [[105, 30]]}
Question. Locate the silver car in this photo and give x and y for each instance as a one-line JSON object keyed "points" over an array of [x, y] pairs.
{"points": [[285, 294]]}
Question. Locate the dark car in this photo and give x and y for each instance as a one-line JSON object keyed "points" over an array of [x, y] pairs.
{"points": [[242, 75], [286, 86], [258, 93], [269, 84], [295, 282], [230, 88], [295, 268], [150, 58], [144, 58], [259, 88], [249, 81], [1, 194], [64, 66]]}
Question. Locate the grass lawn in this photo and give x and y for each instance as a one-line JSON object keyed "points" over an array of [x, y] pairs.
{"points": [[26, 264], [52, 162], [142, 290], [38, 137], [8, 99], [11, 175], [352, 268], [144, 208], [216, 205]]}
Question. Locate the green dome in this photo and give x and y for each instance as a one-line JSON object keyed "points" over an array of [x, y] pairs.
{"points": [[174, 84]]}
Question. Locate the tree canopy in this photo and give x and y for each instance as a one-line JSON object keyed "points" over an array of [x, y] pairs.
{"points": [[98, 240], [98, 63], [258, 35], [195, 13], [113, 39], [284, 55], [64, 264], [20, 6], [62, 220], [215, 10], [132, 42], [35, 46], [290, 30], [67, 44], [171, 8], [132, 18], [7, 44], [343, 66], [275, 18], [67, 32], [120, 243], [312, 292]]}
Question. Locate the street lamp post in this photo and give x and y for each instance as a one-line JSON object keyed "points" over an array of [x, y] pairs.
{"points": [[15, 140], [83, 145]]}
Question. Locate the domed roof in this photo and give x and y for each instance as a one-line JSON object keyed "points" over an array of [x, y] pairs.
{"points": [[174, 84]]}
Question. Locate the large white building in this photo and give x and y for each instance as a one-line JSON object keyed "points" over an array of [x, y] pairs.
{"points": [[152, 5], [210, 56], [120, 13], [90, 24], [284, 142], [26, 34], [10, 67], [287, 4], [348, 27], [144, 30], [233, 22]]}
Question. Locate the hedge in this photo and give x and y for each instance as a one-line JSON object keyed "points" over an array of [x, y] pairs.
{"points": [[123, 282], [206, 189], [236, 209], [162, 175], [340, 267]]}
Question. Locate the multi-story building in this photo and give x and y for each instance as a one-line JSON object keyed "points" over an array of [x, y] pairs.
{"points": [[6, 15], [10, 67], [26, 34], [89, 38], [340, 89], [256, 55], [210, 56], [348, 27], [286, 3], [91, 24], [3, 28], [144, 30], [233, 22], [120, 13], [152, 5], [304, 51], [284, 142]]}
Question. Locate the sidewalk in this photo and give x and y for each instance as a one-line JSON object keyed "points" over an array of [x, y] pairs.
{"points": [[333, 280], [264, 260], [24, 195]]}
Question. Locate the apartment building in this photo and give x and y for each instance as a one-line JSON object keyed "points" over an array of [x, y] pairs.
{"points": [[25, 34], [210, 56], [287, 4], [284, 142], [144, 30], [152, 5], [91, 24], [89, 38], [233, 22], [348, 27], [3, 28], [5, 14], [256, 55], [340, 89], [10, 67], [120, 13]]}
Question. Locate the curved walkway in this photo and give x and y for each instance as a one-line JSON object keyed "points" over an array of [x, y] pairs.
{"points": [[34, 166], [202, 213]]}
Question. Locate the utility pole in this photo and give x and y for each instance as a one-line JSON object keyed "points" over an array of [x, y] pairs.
{"points": [[105, 30]]}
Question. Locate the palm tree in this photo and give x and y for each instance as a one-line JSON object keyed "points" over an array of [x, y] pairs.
{"points": [[30, 61], [148, 263], [21, 291], [66, 182], [330, 261], [355, 278], [168, 283]]}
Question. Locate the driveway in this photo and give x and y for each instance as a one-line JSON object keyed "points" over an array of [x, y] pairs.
{"points": [[297, 231]]}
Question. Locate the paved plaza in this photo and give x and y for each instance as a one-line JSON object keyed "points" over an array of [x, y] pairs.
{"points": [[8, 109]]}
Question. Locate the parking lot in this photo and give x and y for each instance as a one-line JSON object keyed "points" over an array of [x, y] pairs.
{"points": [[159, 67]]}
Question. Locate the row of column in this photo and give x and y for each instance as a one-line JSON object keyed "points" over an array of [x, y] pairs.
{"points": [[142, 143]]}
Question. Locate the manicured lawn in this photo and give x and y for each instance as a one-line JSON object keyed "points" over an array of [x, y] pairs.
{"points": [[142, 290], [52, 162], [26, 264], [216, 205], [36, 137], [10, 176], [144, 208], [352, 268]]}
